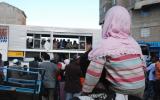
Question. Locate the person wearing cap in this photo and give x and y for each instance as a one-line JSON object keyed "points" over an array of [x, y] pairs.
{"points": [[72, 79]]}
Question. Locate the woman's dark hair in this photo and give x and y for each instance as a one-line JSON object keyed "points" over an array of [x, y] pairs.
{"points": [[45, 56]]}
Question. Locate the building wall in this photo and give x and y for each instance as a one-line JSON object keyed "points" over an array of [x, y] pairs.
{"points": [[11, 15], [147, 17], [104, 5], [17, 37]]}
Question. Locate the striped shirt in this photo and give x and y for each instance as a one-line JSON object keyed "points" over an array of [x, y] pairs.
{"points": [[125, 73]]}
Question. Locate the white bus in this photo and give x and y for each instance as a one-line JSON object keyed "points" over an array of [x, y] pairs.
{"points": [[32, 41]]}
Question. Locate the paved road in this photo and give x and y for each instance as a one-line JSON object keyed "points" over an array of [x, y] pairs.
{"points": [[15, 96]]}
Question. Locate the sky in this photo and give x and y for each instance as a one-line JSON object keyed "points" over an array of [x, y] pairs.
{"points": [[60, 13]]}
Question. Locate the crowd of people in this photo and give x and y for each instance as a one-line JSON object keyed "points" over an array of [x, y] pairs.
{"points": [[152, 80], [63, 44], [57, 44], [55, 72]]}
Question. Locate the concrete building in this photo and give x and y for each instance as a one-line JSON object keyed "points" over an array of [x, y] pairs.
{"points": [[104, 5], [145, 20], [146, 23], [11, 15]]}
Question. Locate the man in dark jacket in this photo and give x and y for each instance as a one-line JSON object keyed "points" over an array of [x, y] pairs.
{"points": [[72, 79], [84, 62]]}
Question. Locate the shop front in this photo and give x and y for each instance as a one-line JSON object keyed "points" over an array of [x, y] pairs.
{"points": [[154, 48]]}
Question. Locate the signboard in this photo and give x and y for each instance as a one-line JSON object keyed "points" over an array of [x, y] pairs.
{"points": [[4, 30], [15, 54]]}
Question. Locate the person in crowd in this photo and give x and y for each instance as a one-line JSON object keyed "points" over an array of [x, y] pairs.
{"points": [[69, 44], [82, 45], [61, 44], [1, 62], [61, 77], [151, 81], [55, 44], [29, 42], [72, 79], [58, 44], [43, 43], [47, 45], [32, 67], [119, 54], [157, 86], [34, 63], [84, 61], [16, 65], [62, 68], [6, 65], [64, 43], [1, 70], [49, 77], [75, 45]]}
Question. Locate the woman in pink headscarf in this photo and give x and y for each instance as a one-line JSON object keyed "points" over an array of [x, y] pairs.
{"points": [[120, 54]]}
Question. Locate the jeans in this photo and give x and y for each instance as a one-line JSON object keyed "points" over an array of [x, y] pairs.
{"points": [[150, 92], [69, 96]]}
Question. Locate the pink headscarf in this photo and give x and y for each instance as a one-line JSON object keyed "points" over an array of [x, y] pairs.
{"points": [[116, 35]]}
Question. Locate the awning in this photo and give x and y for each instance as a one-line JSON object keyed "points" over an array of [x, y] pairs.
{"points": [[140, 4], [154, 44]]}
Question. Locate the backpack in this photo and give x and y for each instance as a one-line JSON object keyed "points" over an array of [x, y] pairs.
{"points": [[157, 72]]}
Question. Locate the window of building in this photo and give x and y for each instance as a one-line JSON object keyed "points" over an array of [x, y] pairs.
{"points": [[145, 11], [104, 9], [145, 32], [113, 2]]}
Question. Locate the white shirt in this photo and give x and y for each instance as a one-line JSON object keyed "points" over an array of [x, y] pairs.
{"points": [[47, 45], [151, 68]]}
